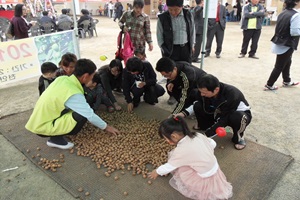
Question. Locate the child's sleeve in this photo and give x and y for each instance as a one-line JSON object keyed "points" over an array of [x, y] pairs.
{"points": [[165, 169], [212, 143]]}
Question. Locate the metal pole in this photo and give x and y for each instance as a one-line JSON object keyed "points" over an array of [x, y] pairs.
{"points": [[204, 34], [76, 29]]}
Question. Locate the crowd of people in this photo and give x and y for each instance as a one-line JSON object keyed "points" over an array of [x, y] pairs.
{"points": [[71, 93]]}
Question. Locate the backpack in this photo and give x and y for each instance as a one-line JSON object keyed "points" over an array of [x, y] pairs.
{"points": [[9, 32], [127, 51]]}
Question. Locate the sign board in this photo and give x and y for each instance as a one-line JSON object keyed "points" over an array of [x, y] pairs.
{"points": [[22, 59]]}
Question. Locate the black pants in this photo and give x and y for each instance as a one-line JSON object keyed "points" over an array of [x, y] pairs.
{"points": [[219, 33], [181, 53], [80, 123], [250, 34], [151, 93], [238, 121], [197, 47], [282, 65]]}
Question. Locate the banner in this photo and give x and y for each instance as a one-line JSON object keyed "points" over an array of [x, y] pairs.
{"points": [[22, 59]]}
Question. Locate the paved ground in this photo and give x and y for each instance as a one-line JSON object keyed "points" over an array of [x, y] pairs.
{"points": [[274, 114]]}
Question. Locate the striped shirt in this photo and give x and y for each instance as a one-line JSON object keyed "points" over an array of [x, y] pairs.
{"points": [[179, 30]]}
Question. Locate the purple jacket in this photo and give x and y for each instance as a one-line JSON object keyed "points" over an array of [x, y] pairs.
{"points": [[20, 27]]}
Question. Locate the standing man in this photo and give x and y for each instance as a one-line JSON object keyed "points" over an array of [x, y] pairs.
{"points": [[62, 108], [137, 23], [216, 27], [176, 32], [252, 20], [219, 105], [118, 10], [199, 21], [284, 42]]}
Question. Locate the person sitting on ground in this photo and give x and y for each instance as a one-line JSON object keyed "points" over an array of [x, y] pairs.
{"points": [[67, 64], [195, 169], [46, 19], [95, 94], [111, 79], [62, 109], [182, 79], [219, 105], [63, 18], [139, 79], [49, 70]]}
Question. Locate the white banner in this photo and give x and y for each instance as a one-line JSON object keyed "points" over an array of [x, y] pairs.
{"points": [[22, 59]]}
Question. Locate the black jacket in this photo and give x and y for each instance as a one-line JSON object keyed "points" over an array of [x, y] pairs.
{"points": [[184, 83], [110, 82], [282, 31], [227, 101], [165, 19], [128, 80]]}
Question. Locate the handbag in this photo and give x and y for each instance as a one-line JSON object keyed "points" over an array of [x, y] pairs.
{"points": [[9, 32]]}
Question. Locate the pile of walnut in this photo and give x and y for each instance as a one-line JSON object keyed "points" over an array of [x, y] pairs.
{"points": [[51, 164], [137, 145]]}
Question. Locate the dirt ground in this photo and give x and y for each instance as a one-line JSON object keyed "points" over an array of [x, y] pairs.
{"points": [[274, 113]]}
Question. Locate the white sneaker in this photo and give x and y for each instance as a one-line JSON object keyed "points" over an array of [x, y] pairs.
{"points": [[70, 145]]}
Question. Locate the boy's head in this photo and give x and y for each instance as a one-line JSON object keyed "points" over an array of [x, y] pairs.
{"points": [[208, 86], [48, 70], [64, 11], [174, 7], [84, 70], [134, 65], [140, 53], [67, 63], [115, 67], [94, 82], [138, 6], [167, 68]]}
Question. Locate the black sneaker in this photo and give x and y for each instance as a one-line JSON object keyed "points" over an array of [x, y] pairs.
{"points": [[272, 88]]}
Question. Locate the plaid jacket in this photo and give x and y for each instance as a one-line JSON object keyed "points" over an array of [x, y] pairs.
{"points": [[138, 28]]}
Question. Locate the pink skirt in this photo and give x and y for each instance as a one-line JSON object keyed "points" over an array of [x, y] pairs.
{"points": [[190, 184]]}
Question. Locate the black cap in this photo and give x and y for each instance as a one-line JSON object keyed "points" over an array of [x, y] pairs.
{"points": [[171, 3]]}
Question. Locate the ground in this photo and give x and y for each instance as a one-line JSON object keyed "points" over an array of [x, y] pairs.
{"points": [[274, 113]]}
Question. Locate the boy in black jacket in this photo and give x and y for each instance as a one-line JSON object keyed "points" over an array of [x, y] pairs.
{"points": [[139, 79], [182, 80], [49, 70]]}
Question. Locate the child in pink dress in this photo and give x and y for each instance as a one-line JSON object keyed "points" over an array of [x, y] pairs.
{"points": [[196, 173]]}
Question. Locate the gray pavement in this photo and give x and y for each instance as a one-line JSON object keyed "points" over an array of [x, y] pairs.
{"points": [[274, 114]]}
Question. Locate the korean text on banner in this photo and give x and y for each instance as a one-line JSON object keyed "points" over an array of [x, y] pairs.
{"points": [[18, 60]]}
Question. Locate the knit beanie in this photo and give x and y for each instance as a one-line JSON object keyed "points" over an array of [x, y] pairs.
{"points": [[178, 3]]}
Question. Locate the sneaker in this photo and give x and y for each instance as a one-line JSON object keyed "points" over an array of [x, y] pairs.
{"points": [[70, 145], [206, 55], [241, 56], [274, 87], [218, 55], [289, 84], [253, 56], [171, 100]]}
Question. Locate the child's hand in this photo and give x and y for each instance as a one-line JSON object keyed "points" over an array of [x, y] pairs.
{"points": [[153, 174], [130, 107], [117, 107]]}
